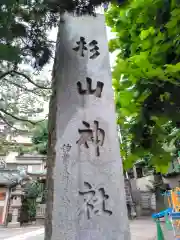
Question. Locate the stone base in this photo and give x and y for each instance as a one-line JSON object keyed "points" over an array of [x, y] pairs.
{"points": [[13, 225], [138, 211], [40, 221]]}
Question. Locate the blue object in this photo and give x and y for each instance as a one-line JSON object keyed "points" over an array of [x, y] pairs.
{"points": [[169, 194], [105, 5], [175, 215], [162, 213]]}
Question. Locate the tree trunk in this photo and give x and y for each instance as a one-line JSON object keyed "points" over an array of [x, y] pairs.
{"points": [[51, 154]]}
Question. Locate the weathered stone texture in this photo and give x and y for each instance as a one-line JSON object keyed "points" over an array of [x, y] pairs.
{"points": [[89, 198]]}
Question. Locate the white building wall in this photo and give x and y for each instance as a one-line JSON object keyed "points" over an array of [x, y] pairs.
{"points": [[140, 187], [11, 157], [22, 139], [143, 183], [173, 181]]}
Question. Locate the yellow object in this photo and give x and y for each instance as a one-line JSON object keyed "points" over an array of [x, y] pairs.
{"points": [[174, 203], [175, 199]]}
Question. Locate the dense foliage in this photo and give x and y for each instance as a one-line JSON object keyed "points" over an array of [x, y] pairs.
{"points": [[80, 7], [24, 51], [146, 78], [32, 191], [23, 32], [25, 48], [40, 138]]}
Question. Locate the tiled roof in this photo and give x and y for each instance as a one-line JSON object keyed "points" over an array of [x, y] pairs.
{"points": [[11, 177]]}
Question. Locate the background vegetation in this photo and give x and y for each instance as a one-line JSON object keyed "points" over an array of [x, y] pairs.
{"points": [[146, 79]]}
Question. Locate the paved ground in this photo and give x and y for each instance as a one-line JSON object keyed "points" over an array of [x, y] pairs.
{"points": [[25, 233], [143, 229]]}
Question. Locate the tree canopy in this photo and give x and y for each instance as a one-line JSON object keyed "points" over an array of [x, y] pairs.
{"points": [[23, 32], [40, 137], [146, 78], [25, 49], [25, 41]]}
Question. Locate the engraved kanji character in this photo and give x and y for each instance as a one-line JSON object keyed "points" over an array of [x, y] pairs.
{"points": [[81, 46], [66, 149], [94, 201], [95, 135], [85, 135], [94, 50], [97, 91]]}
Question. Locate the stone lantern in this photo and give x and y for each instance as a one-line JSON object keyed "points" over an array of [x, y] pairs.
{"points": [[16, 205]]}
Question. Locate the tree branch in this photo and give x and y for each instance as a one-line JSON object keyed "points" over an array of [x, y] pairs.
{"points": [[24, 88], [25, 76], [31, 81], [10, 125], [17, 118], [50, 41]]}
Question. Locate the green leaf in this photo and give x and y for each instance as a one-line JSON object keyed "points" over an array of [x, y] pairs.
{"points": [[18, 30], [145, 33], [9, 53], [125, 97], [129, 161], [146, 79]]}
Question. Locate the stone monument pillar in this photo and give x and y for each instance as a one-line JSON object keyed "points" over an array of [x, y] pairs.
{"points": [[16, 205], [84, 169]]}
